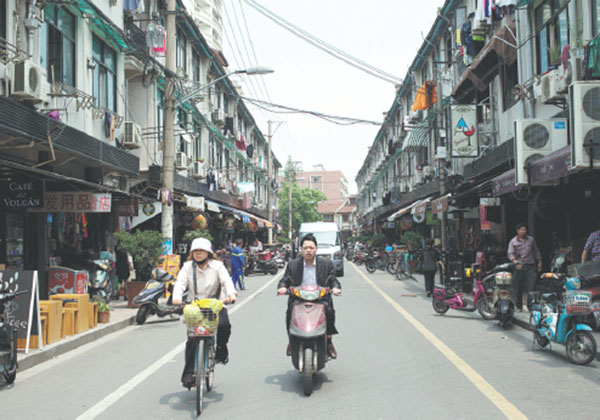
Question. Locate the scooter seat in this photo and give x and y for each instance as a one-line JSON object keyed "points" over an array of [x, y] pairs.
{"points": [[548, 297]]}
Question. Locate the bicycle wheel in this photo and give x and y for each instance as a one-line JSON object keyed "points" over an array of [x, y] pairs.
{"points": [[200, 358], [210, 366]]}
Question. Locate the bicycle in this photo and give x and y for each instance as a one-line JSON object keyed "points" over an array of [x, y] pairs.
{"points": [[381, 261], [403, 268], [202, 323]]}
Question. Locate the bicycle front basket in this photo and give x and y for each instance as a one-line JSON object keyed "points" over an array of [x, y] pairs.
{"points": [[202, 317]]}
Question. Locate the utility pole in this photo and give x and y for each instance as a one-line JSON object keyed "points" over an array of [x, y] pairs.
{"points": [[269, 185], [442, 155], [168, 170], [290, 197]]}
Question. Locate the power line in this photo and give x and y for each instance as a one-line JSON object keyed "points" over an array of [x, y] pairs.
{"points": [[324, 46]]}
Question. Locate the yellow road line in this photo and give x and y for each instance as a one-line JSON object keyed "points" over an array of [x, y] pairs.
{"points": [[507, 408]]}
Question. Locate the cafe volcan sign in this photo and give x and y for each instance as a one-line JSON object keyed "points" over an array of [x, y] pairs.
{"points": [[21, 193]]}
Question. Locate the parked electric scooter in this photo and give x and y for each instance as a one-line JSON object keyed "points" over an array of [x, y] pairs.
{"points": [[158, 286], [503, 297], [562, 322], [259, 263], [448, 297], [101, 276], [8, 334], [308, 332]]}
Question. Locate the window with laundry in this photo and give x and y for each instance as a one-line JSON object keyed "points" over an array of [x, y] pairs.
{"points": [[57, 45], [105, 79], [552, 33]]}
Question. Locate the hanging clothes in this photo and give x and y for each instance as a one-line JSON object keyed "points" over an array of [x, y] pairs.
{"points": [[228, 126], [211, 180], [426, 96], [467, 39], [593, 62], [241, 143], [134, 6], [250, 151], [108, 122]]}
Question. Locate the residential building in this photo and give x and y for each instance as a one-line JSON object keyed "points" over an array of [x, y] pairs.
{"points": [[333, 184], [207, 14], [488, 128], [82, 94]]}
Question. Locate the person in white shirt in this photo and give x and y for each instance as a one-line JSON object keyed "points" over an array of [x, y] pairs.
{"points": [[212, 281]]}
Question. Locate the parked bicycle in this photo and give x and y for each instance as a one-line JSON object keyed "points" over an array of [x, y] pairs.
{"points": [[380, 261], [405, 270]]}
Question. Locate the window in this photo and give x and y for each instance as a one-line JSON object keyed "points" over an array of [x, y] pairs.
{"points": [[58, 53], [195, 67], [552, 33], [181, 51], [220, 155], [105, 80], [596, 17], [510, 78], [197, 141], [211, 151], [3, 19], [316, 179]]}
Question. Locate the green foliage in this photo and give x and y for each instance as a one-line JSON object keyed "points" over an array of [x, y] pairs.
{"points": [[412, 239], [283, 239], [304, 205], [190, 235], [102, 305], [145, 246]]}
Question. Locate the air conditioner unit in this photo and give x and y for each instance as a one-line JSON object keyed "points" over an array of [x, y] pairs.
{"points": [[198, 170], [585, 124], [28, 81], [180, 160], [218, 117], [573, 72], [535, 139], [552, 82], [132, 135]]}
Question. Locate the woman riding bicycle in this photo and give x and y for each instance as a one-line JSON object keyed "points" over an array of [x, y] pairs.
{"points": [[212, 281]]}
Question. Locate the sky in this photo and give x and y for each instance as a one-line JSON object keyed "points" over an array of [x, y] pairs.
{"points": [[383, 33]]}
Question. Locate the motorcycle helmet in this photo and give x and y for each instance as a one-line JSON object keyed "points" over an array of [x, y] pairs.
{"points": [[572, 283], [201, 244]]}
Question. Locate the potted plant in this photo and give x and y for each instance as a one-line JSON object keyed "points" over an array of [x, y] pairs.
{"points": [[103, 311], [145, 247]]}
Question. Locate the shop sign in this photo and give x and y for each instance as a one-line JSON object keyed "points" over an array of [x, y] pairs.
{"points": [[464, 132], [126, 207], [504, 183], [440, 205], [148, 209], [420, 208], [389, 225], [229, 224], [551, 167], [431, 220], [196, 203], [21, 193], [214, 207], [485, 224], [76, 202]]}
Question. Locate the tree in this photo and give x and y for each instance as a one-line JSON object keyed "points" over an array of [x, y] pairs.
{"points": [[304, 205]]}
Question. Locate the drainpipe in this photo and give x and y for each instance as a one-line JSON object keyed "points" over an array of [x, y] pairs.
{"points": [[31, 24]]}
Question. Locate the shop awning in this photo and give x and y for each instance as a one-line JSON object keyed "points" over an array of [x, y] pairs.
{"points": [[418, 137], [400, 212], [504, 183], [486, 65], [420, 207], [440, 205], [550, 168]]}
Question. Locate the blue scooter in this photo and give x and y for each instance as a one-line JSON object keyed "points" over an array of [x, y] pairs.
{"points": [[561, 322], [159, 285]]}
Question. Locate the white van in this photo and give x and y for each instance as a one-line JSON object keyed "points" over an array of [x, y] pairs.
{"points": [[329, 242]]}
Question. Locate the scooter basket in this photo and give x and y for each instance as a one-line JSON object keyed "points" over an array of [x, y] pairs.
{"points": [[577, 301], [202, 317]]}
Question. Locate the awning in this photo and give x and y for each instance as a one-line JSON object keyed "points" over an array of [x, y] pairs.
{"points": [[420, 207], [485, 66], [418, 137], [504, 183], [551, 167], [96, 18], [400, 212], [440, 205]]}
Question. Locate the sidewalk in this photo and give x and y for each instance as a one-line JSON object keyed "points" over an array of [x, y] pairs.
{"points": [[120, 317]]}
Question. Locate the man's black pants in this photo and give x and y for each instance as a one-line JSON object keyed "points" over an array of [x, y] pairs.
{"points": [[524, 280], [223, 333]]}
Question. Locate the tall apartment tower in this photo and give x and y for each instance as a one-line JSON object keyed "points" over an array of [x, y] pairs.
{"points": [[208, 17]]}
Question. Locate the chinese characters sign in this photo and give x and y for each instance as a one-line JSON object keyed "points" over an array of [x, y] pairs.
{"points": [[76, 202], [464, 131]]}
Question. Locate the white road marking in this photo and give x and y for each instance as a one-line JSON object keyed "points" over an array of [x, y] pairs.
{"points": [[113, 397]]}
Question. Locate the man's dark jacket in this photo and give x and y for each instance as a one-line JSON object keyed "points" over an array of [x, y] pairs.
{"points": [[325, 273]]}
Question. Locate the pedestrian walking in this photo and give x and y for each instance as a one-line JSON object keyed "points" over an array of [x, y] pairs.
{"points": [[237, 265], [524, 252], [430, 261]]}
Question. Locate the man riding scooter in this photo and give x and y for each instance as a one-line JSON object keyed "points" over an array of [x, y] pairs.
{"points": [[306, 270]]}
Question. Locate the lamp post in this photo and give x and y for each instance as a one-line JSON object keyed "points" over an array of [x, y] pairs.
{"points": [[168, 170]]}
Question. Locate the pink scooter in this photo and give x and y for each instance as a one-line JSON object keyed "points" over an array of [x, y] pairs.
{"points": [[308, 331], [447, 297]]}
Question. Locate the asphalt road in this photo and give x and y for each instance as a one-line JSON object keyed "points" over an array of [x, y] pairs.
{"points": [[397, 359]]}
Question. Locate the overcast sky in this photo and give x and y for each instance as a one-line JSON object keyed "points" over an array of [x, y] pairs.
{"points": [[383, 33]]}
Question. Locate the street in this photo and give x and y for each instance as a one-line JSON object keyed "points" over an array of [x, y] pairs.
{"points": [[396, 359]]}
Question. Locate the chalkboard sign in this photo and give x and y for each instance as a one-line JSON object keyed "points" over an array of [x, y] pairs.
{"points": [[21, 192], [25, 309]]}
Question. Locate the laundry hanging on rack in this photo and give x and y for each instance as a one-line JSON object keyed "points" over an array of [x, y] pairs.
{"points": [[250, 151], [241, 143]]}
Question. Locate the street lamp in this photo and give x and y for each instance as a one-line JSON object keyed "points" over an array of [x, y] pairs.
{"points": [[250, 71], [171, 104]]}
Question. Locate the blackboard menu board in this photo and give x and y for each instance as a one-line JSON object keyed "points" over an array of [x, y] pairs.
{"points": [[25, 309]]}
